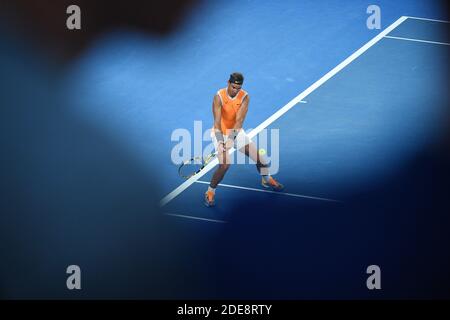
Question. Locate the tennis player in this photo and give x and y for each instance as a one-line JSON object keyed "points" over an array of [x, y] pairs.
{"points": [[230, 106]]}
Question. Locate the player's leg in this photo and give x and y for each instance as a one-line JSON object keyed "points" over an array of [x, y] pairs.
{"points": [[262, 164], [222, 168], [219, 173]]}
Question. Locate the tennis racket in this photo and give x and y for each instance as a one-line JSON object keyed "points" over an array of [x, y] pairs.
{"points": [[194, 165]]}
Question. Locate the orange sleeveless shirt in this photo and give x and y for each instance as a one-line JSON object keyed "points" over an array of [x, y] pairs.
{"points": [[230, 107]]}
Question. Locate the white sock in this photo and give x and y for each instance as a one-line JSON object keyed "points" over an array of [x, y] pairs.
{"points": [[213, 190], [266, 178]]}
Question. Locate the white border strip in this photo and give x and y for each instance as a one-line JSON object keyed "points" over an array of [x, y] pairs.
{"points": [[270, 191], [194, 218], [326, 77], [426, 19], [418, 40], [287, 107]]}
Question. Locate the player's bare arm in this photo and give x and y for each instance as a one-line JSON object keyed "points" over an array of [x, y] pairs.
{"points": [[242, 113], [217, 113], [240, 118]]}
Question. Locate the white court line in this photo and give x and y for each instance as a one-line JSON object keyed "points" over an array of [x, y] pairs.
{"points": [[269, 191], [194, 218], [417, 40], [426, 19], [287, 107]]}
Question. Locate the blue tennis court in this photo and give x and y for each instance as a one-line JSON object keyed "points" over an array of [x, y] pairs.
{"points": [[353, 107], [355, 127]]}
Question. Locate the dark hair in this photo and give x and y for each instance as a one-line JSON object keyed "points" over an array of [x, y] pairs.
{"points": [[236, 78]]}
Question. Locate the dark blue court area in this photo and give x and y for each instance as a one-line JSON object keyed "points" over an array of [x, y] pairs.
{"points": [[363, 122]]}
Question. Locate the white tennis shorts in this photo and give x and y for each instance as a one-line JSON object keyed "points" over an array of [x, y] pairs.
{"points": [[242, 139]]}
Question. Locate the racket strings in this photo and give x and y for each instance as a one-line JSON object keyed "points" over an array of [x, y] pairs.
{"points": [[194, 165]]}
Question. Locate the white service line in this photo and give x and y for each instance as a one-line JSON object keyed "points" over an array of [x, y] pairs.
{"points": [[270, 191], [418, 40], [286, 108], [426, 19], [194, 218]]}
